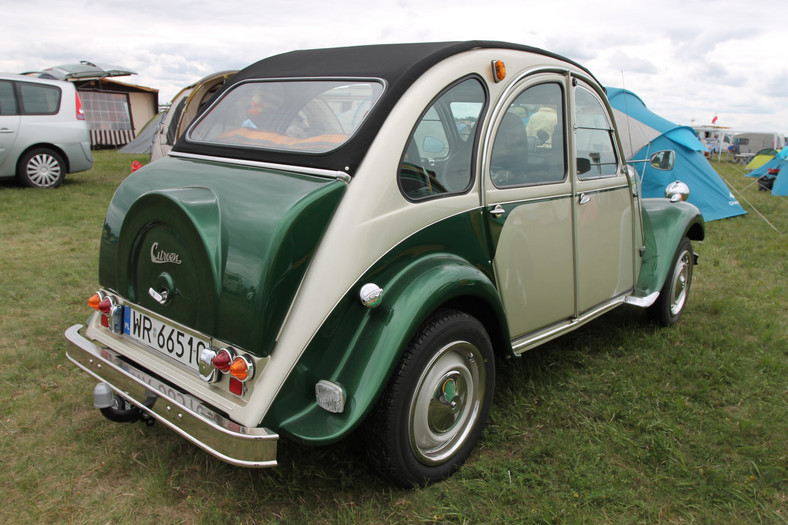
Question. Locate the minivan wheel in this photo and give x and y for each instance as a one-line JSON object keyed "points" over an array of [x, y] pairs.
{"points": [[41, 168], [437, 402]]}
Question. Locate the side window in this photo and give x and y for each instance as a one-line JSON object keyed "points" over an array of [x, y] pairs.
{"points": [[7, 98], [594, 137], [438, 157], [38, 99], [529, 146]]}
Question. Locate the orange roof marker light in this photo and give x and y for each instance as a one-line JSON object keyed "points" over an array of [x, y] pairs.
{"points": [[499, 70]]}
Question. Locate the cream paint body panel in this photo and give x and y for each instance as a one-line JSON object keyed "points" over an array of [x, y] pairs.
{"points": [[604, 242], [534, 264]]}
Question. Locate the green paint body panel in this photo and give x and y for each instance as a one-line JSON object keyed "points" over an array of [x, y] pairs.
{"points": [[244, 238], [665, 223], [358, 347]]}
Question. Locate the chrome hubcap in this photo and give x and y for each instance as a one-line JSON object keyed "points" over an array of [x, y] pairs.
{"points": [[43, 170], [681, 278], [447, 402]]}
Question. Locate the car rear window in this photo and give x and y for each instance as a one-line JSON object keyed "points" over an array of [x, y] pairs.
{"points": [[308, 116], [38, 99]]}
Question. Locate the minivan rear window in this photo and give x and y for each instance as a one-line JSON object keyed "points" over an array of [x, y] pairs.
{"points": [[38, 99], [309, 116]]}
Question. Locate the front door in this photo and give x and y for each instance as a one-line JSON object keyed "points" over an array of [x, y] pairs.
{"points": [[604, 227]]}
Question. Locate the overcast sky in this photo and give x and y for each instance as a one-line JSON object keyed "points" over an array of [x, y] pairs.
{"points": [[687, 59]]}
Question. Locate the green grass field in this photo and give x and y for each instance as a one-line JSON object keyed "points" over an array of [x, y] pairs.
{"points": [[620, 422]]}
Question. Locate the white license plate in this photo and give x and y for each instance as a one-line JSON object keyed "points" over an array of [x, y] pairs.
{"points": [[182, 346]]}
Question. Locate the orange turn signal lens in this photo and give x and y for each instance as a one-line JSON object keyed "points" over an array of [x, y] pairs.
{"points": [[94, 301], [499, 70], [242, 369]]}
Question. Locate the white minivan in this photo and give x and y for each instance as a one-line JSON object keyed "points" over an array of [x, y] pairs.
{"points": [[43, 131]]}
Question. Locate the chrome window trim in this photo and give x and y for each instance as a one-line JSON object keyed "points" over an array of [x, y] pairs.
{"points": [[317, 172]]}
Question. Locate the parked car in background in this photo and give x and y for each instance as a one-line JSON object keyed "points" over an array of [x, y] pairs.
{"points": [[347, 238], [43, 132]]}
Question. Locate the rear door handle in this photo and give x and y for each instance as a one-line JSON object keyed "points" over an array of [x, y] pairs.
{"points": [[497, 211], [583, 198]]}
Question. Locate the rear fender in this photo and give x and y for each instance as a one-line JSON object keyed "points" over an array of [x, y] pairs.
{"points": [[358, 347], [665, 224]]}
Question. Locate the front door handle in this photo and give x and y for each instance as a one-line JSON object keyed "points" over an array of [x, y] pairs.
{"points": [[583, 198], [497, 211]]}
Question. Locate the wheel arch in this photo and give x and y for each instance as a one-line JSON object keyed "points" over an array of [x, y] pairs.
{"points": [[376, 339], [48, 146], [665, 225]]}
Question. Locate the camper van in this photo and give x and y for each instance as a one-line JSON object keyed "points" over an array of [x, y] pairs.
{"points": [[751, 143]]}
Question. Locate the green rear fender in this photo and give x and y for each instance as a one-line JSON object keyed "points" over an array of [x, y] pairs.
{"points": [[358, 347], [665, 224]]}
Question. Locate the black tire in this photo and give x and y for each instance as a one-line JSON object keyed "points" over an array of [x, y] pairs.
{"points": [[121, 411], [675, 293], [436, 404], [41, 168]]}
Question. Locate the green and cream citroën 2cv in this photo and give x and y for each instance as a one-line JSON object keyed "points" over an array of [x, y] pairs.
{"points": [[347, 239]]}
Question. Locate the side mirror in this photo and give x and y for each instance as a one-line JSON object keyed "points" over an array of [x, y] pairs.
{"points": [[432, 145], [663, 160], [583, 165]]}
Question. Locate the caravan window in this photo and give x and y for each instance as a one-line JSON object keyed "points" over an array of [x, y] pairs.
{"points": [[300, 116]]}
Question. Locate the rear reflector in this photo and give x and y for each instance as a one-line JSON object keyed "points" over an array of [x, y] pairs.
{"points": [[236, 387]]}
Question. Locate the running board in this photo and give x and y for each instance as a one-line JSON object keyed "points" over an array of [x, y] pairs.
{"points": [[535, 339]]}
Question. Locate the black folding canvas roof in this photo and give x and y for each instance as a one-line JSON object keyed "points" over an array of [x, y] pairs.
{"points": [[399, 65]]}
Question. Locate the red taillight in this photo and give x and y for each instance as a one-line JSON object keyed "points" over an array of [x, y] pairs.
{"points": [[222, 360], [105, 306], [80, 112], [774, 171]]}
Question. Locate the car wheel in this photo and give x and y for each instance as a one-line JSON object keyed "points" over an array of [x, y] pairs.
{"points": [[675, 292], [41, 168], [437, 401]]}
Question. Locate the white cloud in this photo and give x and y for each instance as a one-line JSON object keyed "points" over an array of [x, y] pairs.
{"points": [[686, 58]]}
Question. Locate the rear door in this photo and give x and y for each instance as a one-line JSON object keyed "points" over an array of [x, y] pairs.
{"points": [[9, 127]]}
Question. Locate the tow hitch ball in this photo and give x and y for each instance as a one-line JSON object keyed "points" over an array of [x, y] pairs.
{"points": [[115, 408]]}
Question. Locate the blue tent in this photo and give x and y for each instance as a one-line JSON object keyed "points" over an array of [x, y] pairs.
{"points": [[644, 133], [780, 161], [775, 162]]}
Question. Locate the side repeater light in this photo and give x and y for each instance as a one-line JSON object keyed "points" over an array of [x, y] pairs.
{"points": [[499, 70]]}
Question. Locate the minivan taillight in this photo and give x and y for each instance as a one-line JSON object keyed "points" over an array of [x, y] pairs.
{"points": [[80, 112]]}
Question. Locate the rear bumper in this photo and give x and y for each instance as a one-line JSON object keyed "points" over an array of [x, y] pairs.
{"points": [[182, 412]]}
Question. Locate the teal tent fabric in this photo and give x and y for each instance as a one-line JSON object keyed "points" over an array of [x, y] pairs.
{"points": [[780, 186], [643, 133]]}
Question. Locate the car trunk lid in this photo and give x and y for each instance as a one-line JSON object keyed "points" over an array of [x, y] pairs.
{"points": [[217, 247]]}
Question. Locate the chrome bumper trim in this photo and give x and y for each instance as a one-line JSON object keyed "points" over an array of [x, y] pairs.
{"points": [[643, 302], [175, 408]]}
